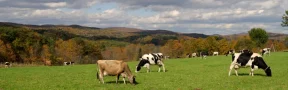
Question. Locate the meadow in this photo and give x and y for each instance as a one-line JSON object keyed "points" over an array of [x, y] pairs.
{"points": [[182, 74]]}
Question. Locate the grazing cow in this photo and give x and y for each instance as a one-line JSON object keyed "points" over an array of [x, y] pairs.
{"points": [[215, 53], [188, 55], [229, 52], [249, 59], [203, 54], [7, 65], [266, 51], [194, 54], [150, 59], [114, 68], [68, 63]]}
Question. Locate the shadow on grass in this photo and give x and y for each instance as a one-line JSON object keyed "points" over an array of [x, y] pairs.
{"points": [[119, 82], [153, 71], [247, 74]]}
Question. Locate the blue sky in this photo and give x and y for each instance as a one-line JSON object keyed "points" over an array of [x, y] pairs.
{"points": [[185, 16]]}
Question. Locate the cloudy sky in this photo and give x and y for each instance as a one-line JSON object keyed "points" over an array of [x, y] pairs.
{"points": [[185, 16]]}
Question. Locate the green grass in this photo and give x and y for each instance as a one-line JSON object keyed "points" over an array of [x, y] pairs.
{"points": [[182, 74]]}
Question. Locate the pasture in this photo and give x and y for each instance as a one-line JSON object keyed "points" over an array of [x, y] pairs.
{"points": [[182, 74]]}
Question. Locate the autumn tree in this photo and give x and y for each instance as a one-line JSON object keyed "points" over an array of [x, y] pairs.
{"points": [[212, 44], [133, 52], [259, 36], [244, 42], [223, 46]]}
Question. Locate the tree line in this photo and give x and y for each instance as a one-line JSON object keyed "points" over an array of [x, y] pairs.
{"points": [[25, 45]]}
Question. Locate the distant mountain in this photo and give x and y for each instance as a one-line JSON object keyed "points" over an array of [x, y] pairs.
{"points": [[124, 29], [274, 36], [196, 35], [122, 32], [118, 32]]}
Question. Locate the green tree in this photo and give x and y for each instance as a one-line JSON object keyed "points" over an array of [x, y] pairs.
{"points": [[285, 19], [286, 42], [259, 36]]}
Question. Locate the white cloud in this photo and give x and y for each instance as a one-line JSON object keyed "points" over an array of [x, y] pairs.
{"points": [[55, 5]]}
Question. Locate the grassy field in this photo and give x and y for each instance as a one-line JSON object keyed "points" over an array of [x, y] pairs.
{"points": [[182, 74]]}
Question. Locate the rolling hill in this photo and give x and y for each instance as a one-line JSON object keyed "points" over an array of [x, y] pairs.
{"points": [[121, 33]]}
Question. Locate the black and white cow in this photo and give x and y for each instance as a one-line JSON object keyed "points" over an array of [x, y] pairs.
{"points": [[188, 55], [266, 51], [68, 63], [203, 54], [7, 64], [249, 59], [230, 52], [151, 59]]}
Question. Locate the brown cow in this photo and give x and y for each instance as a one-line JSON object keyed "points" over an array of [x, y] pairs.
{"points": [[114, 68]]}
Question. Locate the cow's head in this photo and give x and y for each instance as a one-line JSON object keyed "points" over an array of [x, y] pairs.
{"points": [[138, 68], [132, 80], [141, 64], [268, 71], [260, 63]]}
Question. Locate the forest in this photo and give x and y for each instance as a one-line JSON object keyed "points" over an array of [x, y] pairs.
{"points": [[33, 44]]}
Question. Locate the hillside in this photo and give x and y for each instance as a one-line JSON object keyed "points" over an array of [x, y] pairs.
{"points": [[121, 33]]}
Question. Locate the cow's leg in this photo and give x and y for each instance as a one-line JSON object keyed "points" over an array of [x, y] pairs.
{"points": [[124, 80], [163, 67], [160, 65], [117, 78], [230, 69], [236, 72], [101, 75], [235, 68], [252, 72], [148, 67], [252, 69]]}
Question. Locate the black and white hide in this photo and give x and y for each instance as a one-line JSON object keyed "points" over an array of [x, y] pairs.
{"points": [[188, 55], [203, 54], [151, 59], [160, 55], [68, 63], [249, 59], [266, 51], [230, 52], [7, 64]]}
